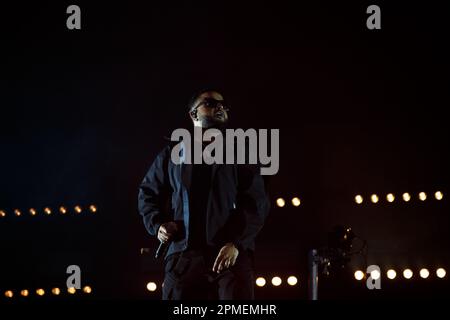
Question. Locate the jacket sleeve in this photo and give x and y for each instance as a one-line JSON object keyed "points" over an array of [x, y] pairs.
{"points": [[154, 193], [251, 204]]}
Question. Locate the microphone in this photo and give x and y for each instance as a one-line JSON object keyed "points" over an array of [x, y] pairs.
{"points": [[162, 249]]}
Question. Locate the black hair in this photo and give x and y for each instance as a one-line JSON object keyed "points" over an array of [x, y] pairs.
{"points": [[197, 94]]}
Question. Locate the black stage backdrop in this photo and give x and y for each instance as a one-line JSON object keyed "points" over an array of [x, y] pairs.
{"points": [[84, 112]]}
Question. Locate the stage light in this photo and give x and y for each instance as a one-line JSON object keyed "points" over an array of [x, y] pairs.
{"points": [[359, 275], [358, 199], [47, 211], [56, 291], [422, 196], [87, 289], [63, 210], [406, 197], [71, 290], [374, 198], [292, 280], [2, 213], [441, 273], [375, 274], [280, 202], [151, 286], [390, 197], [9, 294], [276, 281], [24, 293], [40, 292], [424, 273], [407, 273], [391, 274], [438, 195], [260, 282], [32, 211], [17, 212], [77, 209], [93, 208], [295, 202]]}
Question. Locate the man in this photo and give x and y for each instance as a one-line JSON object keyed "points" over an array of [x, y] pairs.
{"points": [[208, 214]]}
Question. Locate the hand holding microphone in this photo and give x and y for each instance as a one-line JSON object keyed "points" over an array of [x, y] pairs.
{"points": [[166, 233]]}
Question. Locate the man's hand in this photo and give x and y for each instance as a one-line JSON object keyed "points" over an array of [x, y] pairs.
{"points": [[167, 231], [226, 258]]}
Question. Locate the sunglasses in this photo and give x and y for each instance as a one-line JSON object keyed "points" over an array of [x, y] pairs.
{"points": [[212, 104]]}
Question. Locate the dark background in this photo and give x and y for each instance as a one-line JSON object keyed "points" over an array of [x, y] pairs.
{"points": [[83, 113]]}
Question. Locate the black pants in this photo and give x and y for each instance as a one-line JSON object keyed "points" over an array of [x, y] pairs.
{"points": [[189, 276]]}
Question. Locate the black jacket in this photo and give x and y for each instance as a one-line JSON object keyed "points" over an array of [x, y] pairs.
{"points": [[237, 204]]}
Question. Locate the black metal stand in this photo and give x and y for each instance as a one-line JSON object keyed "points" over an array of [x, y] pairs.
{"points": [[313, 279], [316, 261]]}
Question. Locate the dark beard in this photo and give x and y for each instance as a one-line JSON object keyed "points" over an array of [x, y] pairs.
{"points": [[211, 122]]}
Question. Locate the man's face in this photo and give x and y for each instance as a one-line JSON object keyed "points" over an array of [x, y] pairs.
{"points": [[210, 110]]}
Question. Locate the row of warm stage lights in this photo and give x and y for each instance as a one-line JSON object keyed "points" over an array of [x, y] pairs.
{"points": [[294, 201], [390, 197], [407, 274], [438, 195], [41, 292], [359, 275], [48, 211], [260, 282]]}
